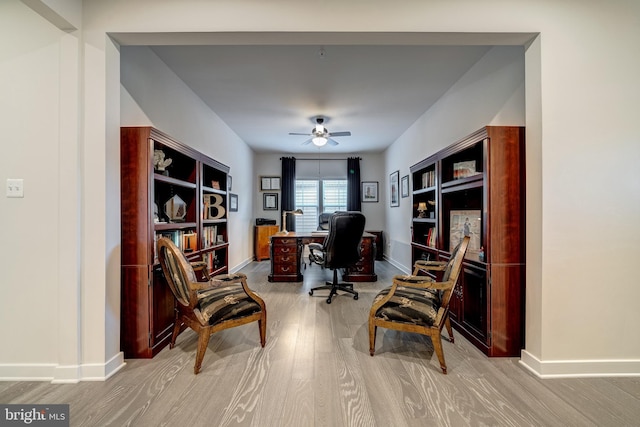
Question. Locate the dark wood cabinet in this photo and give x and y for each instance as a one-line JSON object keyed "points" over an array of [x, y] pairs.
{"points": [[477, 186], [379, 242], [167, 189], [286, 255], [261, 240], [364, 269]]}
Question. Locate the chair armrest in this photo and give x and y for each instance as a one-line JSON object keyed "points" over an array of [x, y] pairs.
{"points": [[430, 265], [421, 282], [315, 246]]}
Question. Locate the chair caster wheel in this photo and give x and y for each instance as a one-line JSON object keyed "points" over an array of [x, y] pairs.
{"points": [[355, 297], [311, 292], [328, 300]]}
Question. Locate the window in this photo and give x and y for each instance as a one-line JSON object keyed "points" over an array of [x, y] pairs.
{"points": [[315, 196]]}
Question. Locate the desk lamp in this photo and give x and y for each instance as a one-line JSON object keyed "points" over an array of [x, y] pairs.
{"points": [[422, 207], [284, 219]]}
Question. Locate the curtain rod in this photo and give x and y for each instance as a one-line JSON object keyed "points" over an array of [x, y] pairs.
{"points": [[296, 158]]}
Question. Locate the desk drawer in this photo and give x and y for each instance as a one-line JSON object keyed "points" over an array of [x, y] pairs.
{"points": [[285, 269], [284, 251], [284, 242], [286, 258]]}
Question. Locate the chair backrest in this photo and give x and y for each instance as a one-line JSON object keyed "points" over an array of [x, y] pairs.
{"points": [[177, 270], [342, 245], [453, 268], [323, 221]]}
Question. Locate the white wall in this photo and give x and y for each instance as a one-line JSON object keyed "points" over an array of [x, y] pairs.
{"points": [[155, 96], [582, 208], [490, 93]]}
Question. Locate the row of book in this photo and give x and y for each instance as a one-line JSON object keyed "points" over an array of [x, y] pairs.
{"points": [[185, 240], [210, 236], [428, 179], [212, 261]]}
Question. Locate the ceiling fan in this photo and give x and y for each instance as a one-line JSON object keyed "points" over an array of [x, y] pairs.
{"points": [[320, 135]]}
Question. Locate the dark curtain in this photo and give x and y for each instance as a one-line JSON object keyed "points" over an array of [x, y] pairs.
{"points": [[289, 190], [353, 184]]}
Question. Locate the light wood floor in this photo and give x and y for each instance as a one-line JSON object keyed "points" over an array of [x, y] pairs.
{"points": [[316, 371]]}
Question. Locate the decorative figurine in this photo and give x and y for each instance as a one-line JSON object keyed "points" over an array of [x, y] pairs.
{"points": [[159, 162]]}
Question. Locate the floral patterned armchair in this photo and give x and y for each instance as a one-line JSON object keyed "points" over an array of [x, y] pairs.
{"points": [[208, 306]]}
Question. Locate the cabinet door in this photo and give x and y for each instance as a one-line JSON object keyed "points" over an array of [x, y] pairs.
{"points": [[162, 311], [473, 311]]}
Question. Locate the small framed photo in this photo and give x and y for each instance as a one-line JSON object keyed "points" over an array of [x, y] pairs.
{"points": [[394, 190], [269, 183], [404, 186], [233, 202], [370, 191], [270, 201]]}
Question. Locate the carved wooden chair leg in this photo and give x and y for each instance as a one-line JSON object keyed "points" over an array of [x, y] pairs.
{"points": [[203, 342], [372, 338], [447, 324], [262, 326], [437, 346], [176, 330]]}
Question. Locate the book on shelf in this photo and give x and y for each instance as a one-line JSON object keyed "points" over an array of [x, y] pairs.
{"points": [[209, 235], [428, 179], [431, 237]]}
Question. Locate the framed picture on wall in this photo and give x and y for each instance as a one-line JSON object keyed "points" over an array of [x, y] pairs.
{"points": [[394, 190], [370, 191], [233, 202], [404, 186], [270, 201], [269, 183]]}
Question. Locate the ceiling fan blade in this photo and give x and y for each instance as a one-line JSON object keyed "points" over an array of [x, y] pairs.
{"points": [[331, 141], [307, 142], [296, 133], [347, 133]]}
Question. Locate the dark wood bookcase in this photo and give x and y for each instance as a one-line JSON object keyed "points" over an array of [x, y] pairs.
{"points": [[196, 220], [477, 186]]}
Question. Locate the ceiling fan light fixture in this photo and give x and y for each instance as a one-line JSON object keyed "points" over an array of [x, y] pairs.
{"points": [[319, 129], [319, 141]]}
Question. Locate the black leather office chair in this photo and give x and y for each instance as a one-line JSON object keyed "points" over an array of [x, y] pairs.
{"points": [[323, 221], [341, 249]]}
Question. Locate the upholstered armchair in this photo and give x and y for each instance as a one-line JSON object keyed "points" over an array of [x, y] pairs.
{"points": [[208, 304], [340, 249], [419, 303]]}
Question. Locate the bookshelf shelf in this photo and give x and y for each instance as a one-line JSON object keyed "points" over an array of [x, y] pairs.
{"points": [[150, 210], [476, 185]]}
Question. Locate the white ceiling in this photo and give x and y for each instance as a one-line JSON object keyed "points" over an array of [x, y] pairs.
{"points": [[374, 91]]}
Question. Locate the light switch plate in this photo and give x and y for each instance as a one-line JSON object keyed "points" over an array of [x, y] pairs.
{"points": [[15, 187]]}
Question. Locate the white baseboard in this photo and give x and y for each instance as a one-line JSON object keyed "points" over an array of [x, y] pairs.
{"points": [[579, 368], [241, 265], [62, 374], [403, 268]]}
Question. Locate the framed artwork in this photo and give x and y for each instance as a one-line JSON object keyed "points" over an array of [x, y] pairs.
{"points": [[466, 223], [268, 183], [404, 186], [233, 202], [270, 201], [370, 191], [394, 190]]}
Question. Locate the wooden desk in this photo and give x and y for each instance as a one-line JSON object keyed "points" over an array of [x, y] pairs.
{"points": [[286, 258]]}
